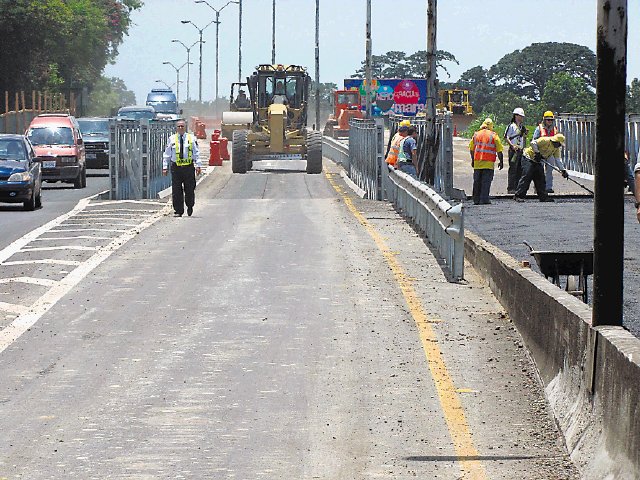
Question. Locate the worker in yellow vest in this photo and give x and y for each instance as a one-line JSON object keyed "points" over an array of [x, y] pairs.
{"points": [[534, 157], [484, 147], [394, 148]]}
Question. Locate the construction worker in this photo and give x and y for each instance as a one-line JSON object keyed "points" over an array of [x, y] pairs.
{"points": [[533, 157], [394, 145], [408, 154], [515, 136], [242, 101], [547, 128], [484, 147], [182, 152]]}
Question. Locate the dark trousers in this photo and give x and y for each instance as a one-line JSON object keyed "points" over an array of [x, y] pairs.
{"points": [[515, 169], [183, 186], [482, 178], [532, 171]]}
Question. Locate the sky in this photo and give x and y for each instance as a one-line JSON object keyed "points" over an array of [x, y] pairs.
{"points": [[476, 33]]}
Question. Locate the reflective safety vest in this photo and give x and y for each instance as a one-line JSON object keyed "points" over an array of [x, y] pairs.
{"points": [[394, 150], [484, 148], [547, 133], [183, 162]]}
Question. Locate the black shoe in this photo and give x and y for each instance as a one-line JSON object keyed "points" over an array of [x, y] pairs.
{"points": [[488, 202], [176, 214], [189, 211], [550, 190], [547, 199], [476, 203], [518, 199], [511, 191]]}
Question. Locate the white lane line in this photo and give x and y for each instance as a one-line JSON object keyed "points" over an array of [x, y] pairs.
{"points": [[33, 234], [87, 230], [60, 247], [122, 212], [118, 224], [137, 202], [32, 280], [25, 321], [101, 218], [75, 237], [13, 308], [48, 261]]}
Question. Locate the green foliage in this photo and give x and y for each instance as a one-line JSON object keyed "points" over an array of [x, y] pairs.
{"points": [[633, 96], [474, 126], [481, 91], [326, 93], [396, 64], [527, 72], [107, 96], [48, 44], [564, 93]]}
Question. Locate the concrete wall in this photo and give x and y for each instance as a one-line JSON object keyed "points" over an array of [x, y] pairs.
{"points": [[591, 375]]}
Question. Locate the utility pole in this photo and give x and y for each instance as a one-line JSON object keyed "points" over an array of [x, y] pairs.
{"points": [[240, 41], [608, 238], [273, 34], [188, 49], [426, 170], [367, 75], [200, 30], [317, 64]]}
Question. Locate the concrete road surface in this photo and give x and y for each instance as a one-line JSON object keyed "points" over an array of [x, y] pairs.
{"points": [[288, 330]]}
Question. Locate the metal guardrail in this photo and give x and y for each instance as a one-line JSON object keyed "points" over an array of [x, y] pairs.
{"points": [[135, 158], [440, 175], [579, 151], [441, 222], [366, 156], [336, 151]]}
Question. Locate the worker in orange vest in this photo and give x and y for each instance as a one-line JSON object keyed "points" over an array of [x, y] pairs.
{"points": [[394, 149], [484, 147]]}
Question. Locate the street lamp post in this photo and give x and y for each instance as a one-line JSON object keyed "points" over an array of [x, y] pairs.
{"points": [[163, 82], [177, 69], [200, 30], [188, 49]]}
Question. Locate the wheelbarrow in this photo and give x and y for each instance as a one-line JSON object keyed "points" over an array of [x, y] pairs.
{"points": [[554, 264]]}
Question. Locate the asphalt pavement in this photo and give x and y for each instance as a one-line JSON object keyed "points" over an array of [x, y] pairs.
{"points": [[565, 225], [288, 329]]}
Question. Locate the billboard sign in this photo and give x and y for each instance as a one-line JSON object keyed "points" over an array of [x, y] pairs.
{"points": [[392, 95]]}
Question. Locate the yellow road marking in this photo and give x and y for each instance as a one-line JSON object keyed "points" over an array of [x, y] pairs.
{"points": [[450, 403]]}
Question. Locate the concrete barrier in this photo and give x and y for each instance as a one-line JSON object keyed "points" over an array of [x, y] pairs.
{"points": [[591, 375]]}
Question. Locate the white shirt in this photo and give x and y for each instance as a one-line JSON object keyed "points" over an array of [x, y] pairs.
{"points": [[170, 150], [513, 136]]}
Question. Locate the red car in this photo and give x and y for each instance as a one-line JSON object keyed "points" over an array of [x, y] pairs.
{"points": [[58, 143]]}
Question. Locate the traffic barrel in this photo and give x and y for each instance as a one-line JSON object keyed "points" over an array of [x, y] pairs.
{"points": [[224, 148], [455, 130], [215, 135], [200, 130], [214, 154]]}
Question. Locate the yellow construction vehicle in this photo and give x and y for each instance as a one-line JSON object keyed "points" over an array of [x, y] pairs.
{"points": [[240, 113], [456, 101], [279, 98]]}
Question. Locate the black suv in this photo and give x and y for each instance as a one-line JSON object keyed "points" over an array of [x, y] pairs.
{"points": [[95, 133]]}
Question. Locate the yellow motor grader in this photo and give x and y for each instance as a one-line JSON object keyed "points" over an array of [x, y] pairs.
{"points": [[279, 97]]}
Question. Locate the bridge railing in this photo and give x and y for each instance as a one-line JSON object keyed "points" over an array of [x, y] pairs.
{"points": [[579, 151], [135, 158], [366, 157], [441, 222]]}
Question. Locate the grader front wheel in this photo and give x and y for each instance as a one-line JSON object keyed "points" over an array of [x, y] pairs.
{"points": [[314, 152]]}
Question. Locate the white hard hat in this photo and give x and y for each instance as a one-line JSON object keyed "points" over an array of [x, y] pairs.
{"points": [[518, 111]]}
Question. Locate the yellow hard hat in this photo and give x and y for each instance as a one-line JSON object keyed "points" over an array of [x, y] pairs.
{"points": [[488, 123], [558, 137], [548, 114], [405, 123]]}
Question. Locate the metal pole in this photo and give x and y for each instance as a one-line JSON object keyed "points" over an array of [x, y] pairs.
{"points": [[273, 34], [367, 88], [178, 85], [188, 72], [200, 79], [317, 126], [608, 238], [240, 41], [215, 103]]}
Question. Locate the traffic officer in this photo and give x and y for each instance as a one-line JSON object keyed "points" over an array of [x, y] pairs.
{"points": [[182, 152], [533, 157], [484, 147]]}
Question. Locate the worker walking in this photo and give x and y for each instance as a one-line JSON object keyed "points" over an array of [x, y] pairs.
{"points": [[515, 135], [484, 147], [394, 145], [534, 156], [408, 154], [547, 128], [182, 152]]}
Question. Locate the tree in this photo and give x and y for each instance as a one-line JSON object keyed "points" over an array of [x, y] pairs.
{"points": [[564, 93], [61, 42], [633, 96], [396, 64], [527, 72], [481, 90], [107, 96], [326, 93]]}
